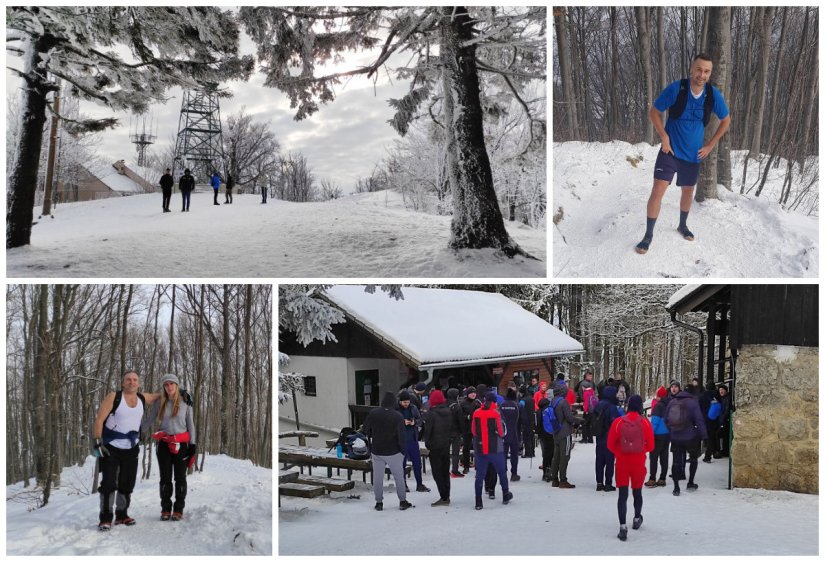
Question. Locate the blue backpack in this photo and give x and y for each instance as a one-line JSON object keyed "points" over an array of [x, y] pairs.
{"points": [[551, 423], [715, 410]]}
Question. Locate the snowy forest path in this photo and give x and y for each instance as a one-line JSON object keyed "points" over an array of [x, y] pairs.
{"points": [[228, 512], [349, 237]]}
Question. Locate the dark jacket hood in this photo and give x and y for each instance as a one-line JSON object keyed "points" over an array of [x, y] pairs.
{"points": [[452, 395], [389, 401], [609, 394], [544, 402]]}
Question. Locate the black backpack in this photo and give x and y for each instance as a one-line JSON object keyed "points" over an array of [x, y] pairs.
{"points": [[597, 423], [675, 111], [342, 438]]}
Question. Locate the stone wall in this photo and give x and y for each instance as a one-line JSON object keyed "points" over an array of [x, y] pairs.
{"points": [[776, 423]]}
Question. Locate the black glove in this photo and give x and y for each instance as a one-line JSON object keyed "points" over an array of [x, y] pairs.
{"points": [[99, 449], [191, 451]]}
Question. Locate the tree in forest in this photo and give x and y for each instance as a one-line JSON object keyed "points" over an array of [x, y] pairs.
{"points": [[293, 41], [643, 21], [250, 148], [169, 46], [718, 47], [566, 72]]}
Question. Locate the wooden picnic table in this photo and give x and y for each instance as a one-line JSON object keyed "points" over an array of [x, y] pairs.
{"points": [[301, 435], [425, 453], [295, 455]]}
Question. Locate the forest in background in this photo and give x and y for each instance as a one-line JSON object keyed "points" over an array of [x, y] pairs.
{"points": [[69, 345], [611, 63]]}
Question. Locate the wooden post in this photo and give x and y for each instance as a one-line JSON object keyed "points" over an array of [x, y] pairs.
{"points": [[47, 195], [295, 405]]}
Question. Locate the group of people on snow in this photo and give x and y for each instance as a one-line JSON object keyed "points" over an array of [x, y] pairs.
{"points": [[121, 419], [498, 430], [186, 185]]}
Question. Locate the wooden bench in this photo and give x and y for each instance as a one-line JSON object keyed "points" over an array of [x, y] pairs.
{"points": [[300, 490], [331, 484], [301, 435]]}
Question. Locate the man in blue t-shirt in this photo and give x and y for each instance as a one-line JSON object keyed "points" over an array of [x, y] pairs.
{"points": [[683, 147]]}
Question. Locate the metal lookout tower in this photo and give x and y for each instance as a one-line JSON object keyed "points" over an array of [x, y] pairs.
{"points": [[199, 145]]}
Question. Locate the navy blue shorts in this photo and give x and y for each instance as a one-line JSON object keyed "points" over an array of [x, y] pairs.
{"points": [[687, 173]]}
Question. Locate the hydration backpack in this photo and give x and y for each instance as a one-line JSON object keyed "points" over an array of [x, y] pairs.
{"points": [[551, 423], [677, 416], [631, 436], [675, 111], [342, 438], [715, 410]]}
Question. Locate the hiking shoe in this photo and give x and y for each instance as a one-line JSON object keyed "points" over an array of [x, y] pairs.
{"points": [[104, 526], [642, 247], [515, 478], [676, 491], [609, 488], [440, 502], [692, 487], [661, 483], [379, 506], [707, 460], [128, 521], [491, 494], [405, 505], [637, 522], [650, 483], [177, 516], [456, 475], [568, 485], [479, 505], [554, 483], [622, 533], [507, 497], [686, 234], [422, 488], [165, 515], [465, 471], [599, 487]]}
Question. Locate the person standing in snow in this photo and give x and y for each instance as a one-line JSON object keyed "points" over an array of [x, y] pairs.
{"points": [[186, 184], [586, 393], [176, 448], [230, 183], [661, 437], [724, 423], [439, 428], [563, 438], [528, 424], [215, 182], [630, 439], [512, 431], [385, 428], [686, 423], [607, 410], [545, 440], [166, 184], [116, 444], [419, 397], [488, 445], [468, 407], [455, 438], [689, 103], [412, 425]]}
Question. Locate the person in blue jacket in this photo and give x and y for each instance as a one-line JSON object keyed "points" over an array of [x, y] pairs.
{"points": [[607, 410], [686, 423], [661, 437], [215, 182], [412, 425], [689, 103]]}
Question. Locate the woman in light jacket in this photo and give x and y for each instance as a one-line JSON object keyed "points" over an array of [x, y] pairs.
{"points": [[176, 449]]}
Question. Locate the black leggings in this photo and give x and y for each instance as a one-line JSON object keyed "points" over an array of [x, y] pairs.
{"points": [[168, 464], [637, 504]]}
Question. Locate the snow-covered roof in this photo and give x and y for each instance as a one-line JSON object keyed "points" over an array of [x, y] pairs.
{"points": [[689, 297], [115, 181], [680, 294], [444, 327]]}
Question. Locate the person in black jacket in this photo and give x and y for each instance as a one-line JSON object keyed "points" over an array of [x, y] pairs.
{"points": [[439, 427], [186, 184], [545, 440], [455, 439], [385, 427], [166, 184], [606, 411], [723, 431], [468, 406]]}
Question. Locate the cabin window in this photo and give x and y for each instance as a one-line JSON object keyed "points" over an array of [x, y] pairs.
{"points": [[309, 386]]}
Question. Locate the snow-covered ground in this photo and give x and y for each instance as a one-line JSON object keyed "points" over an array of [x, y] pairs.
{"points": [[228, 512], [366, 235], [543, 521], [602, 189]]}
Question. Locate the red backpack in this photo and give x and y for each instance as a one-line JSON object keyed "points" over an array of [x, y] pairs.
{"points": [[631, 435]]}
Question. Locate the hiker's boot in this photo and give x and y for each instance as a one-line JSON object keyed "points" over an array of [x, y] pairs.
{"points": [[637, 522], [165, 515], [177, 516], [622, 533], [567, 485], [125, 520], [479, 504], [650, 483], [405, 505], [379, 506]]}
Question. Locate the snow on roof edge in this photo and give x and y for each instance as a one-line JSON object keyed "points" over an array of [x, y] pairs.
{"points": [[681, 295], [485, 360]]}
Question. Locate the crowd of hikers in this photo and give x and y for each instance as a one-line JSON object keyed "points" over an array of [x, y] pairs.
{"points": [[476, 427]]}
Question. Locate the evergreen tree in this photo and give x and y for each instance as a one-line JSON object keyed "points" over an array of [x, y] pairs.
{"points": [[169, 46]]}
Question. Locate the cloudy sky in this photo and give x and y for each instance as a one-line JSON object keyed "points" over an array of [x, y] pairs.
{"points": [[342, 141]]}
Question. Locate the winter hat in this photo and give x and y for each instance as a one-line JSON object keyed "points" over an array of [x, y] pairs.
{"points": [[674, 382], [560, 389], [661, 392], [389, 401], [452, 394], [169, 378], [490, 397], [470, 390], [437, 398], [560, 377], [721, 386], [421, 387], [403, 395], [634, 404], [482, 389], [186, 171], [511, 394]]}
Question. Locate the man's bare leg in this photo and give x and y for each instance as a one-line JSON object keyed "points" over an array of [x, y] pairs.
{"points": [[654, 205], [684, 209]]}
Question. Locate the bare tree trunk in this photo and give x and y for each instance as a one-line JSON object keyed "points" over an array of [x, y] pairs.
{"points": [[171, 331], [644, 58], [766, 21], [775, 84], [808, 107], [568, 98], [225, 374], [660, 44], [614, 75]]}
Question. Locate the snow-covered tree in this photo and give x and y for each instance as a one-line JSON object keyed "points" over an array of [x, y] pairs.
{"points": [[446, 45], [125, 57], [250, 148]]}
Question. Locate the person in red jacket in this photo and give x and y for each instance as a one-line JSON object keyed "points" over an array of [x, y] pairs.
{"points": [[488, 447], [538, 395], [630, 439]]}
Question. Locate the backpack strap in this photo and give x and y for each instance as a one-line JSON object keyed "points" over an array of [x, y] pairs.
{"points": [[708, 104], [119, 397], [675, 111]]}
